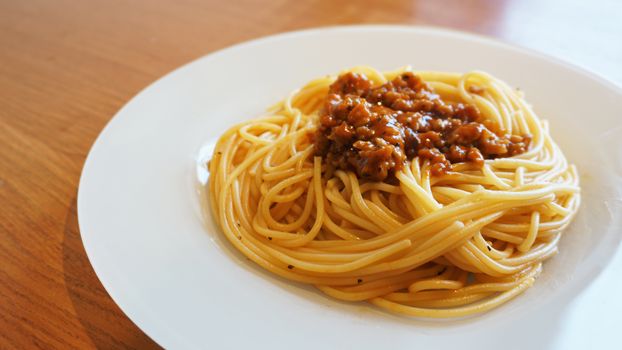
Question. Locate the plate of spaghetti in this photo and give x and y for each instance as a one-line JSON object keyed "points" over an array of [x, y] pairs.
{"points": [[356, 185]]}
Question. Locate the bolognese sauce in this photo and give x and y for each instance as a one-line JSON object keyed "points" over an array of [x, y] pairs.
{"points": [[374, 130]]}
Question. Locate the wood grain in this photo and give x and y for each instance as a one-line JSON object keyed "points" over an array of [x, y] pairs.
{"points": [[67, 66]]}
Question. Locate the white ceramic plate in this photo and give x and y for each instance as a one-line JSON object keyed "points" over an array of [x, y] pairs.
{"points": [[171, 272]]}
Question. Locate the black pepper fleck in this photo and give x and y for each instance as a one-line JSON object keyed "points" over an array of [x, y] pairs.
{"points": [[290, 266]]}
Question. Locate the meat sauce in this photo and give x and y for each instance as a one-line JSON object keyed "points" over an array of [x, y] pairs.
{"points": [[374, 130]]}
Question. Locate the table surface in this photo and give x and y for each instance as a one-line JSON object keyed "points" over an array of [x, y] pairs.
{"points": [[67, 66]]}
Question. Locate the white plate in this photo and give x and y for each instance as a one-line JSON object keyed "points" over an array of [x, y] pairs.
{"points": [[172, 273]]}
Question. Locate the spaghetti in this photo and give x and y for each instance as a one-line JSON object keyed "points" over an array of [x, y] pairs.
{"points": [[415, 240]]}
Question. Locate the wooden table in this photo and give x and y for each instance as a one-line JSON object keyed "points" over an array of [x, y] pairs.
{"points": [[67, 66]]}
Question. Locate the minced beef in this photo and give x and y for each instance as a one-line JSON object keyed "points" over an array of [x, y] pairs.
{"points": [[374, 130]]}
